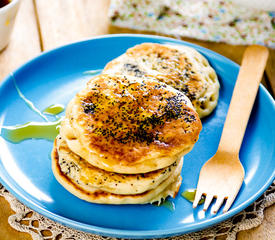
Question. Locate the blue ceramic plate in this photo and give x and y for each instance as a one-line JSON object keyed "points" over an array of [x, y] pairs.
{"points": [[55, 76]]}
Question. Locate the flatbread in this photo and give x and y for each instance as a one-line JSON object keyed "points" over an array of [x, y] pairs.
{"points": [[124, 125], [181, 67], [73, 183], [92, 177]]}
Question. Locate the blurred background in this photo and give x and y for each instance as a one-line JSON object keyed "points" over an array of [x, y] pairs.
{"points": [[223, 26]]}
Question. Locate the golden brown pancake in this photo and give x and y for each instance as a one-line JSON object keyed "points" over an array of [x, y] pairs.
{"points": [[123, 124], [178, 66], [92, 177], [68, 169]]}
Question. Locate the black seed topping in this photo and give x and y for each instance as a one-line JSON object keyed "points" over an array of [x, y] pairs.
{"points": [[89, 108], [132, 120], [133, 68]]}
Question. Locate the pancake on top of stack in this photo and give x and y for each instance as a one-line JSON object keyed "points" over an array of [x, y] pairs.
{"points": [[123, 139], [179, 66]]}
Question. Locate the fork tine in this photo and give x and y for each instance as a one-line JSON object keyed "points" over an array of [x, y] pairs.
{"points": [[197, 198], [228, 203], [217, 205], [208, 200]]}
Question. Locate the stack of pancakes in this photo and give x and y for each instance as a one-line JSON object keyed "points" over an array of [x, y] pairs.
{"points": [[124, 135]]}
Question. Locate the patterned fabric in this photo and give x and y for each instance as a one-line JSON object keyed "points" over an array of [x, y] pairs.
{"points": [[214, 20]]}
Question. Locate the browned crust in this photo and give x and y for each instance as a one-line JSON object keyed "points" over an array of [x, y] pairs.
{"points": [[55, 159], [175, 68], [92, 195], [158, 120], [118, 176], [96, 196]]}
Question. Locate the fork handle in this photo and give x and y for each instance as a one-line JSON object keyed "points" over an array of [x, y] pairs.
{"points": [[244, 94]]}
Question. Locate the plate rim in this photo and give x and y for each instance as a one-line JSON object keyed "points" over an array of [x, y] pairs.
{"points": [[121, 233]]}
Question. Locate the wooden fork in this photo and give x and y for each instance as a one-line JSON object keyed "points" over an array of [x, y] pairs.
{"points": [[222, 175]]}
